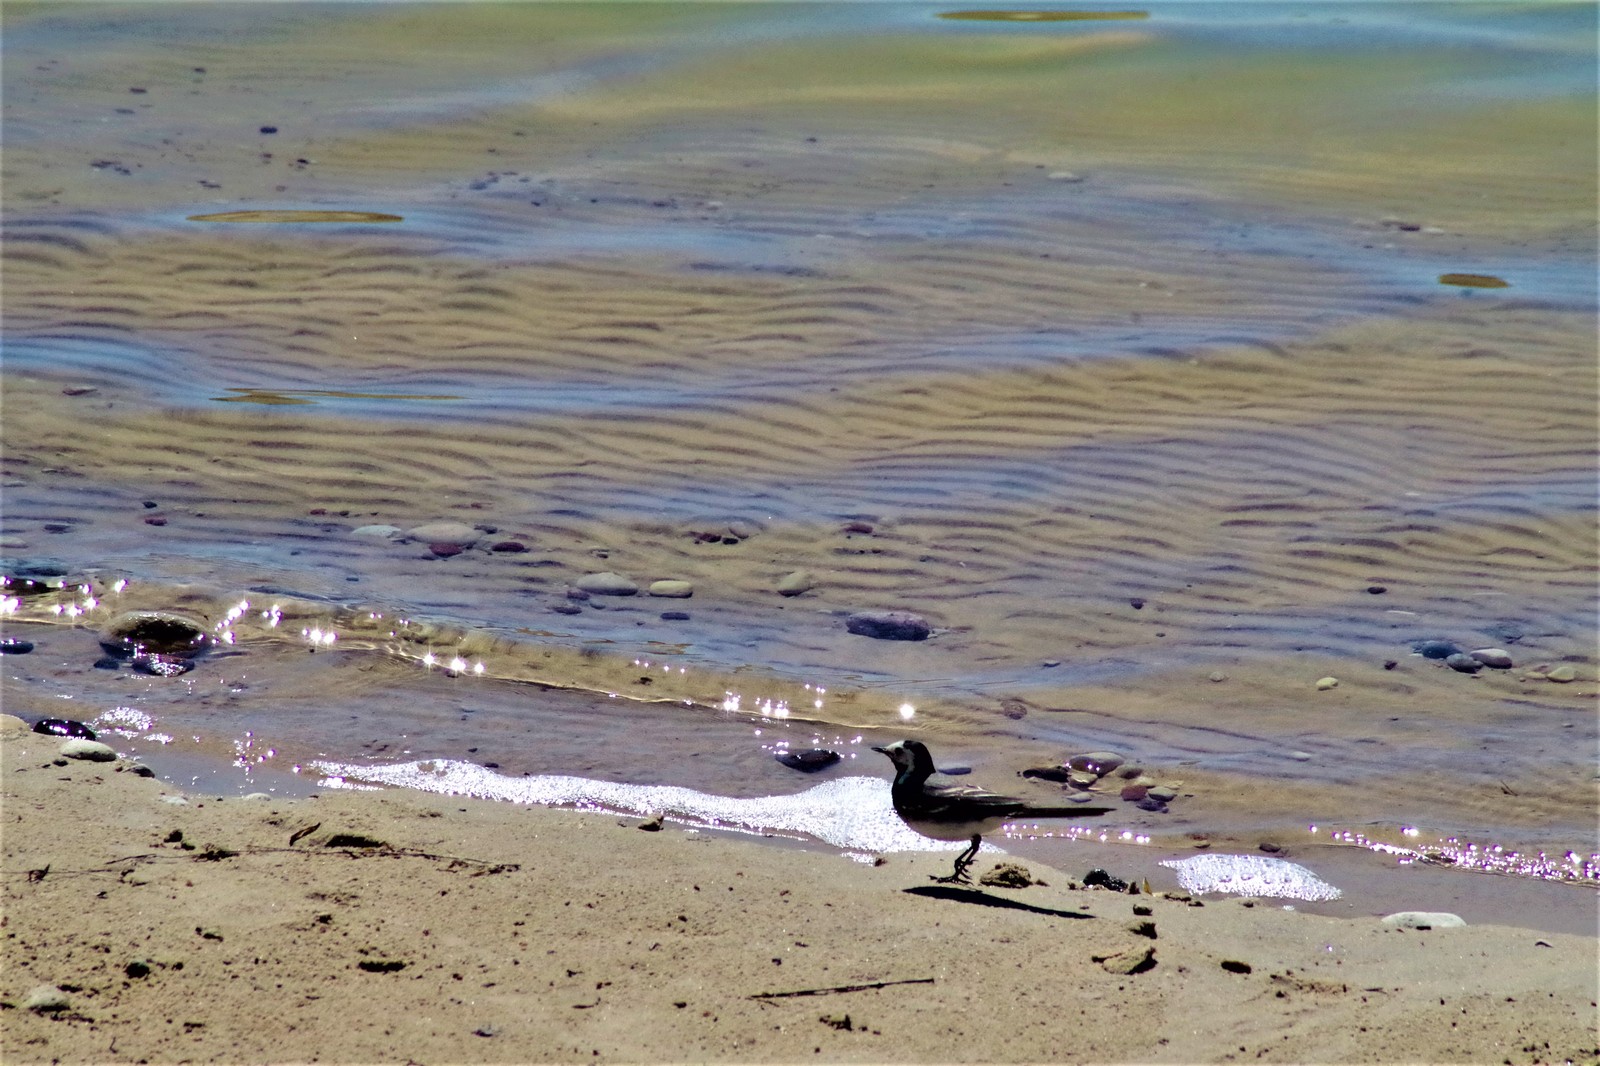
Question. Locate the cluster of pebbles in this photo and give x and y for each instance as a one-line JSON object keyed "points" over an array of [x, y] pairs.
{"points": [[1470, 662], [1097, 772]]}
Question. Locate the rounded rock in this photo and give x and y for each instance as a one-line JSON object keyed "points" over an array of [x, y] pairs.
{"points": [[382, 532], [89, 750], [46, 999], [1325, 683], [1163, 793], [445, 533], [672, 589], [140, 632], [1098, 763], [1464, 663], [1424, 920], [1435, 649], [808, 762], [64, 727], [796, 583], [889, 625], [15, 646], [607, 583], [1495, 658], [1562, 674]]}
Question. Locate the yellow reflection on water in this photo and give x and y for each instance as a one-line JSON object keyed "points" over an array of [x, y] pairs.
{"points": [[298, 396], [297, 216], [1044, 16]]}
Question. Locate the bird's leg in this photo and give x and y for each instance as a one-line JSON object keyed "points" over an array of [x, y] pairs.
{"points": [[964, 860]]}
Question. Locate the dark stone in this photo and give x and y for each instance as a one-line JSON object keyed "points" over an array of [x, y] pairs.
{"points": [[64, 727], [137, 968], [1134, 793], [1377, 590], [155, 520], [108, 662], [269, 129], [381, 965], [1235, 966], [566, 608], [1465, 663], [511, 546], [445, 549], [1059, 774], [577, 594], [1150, 803], [808, 762], [674, 616], [1435, 649], [888, 625], [856, 527], [1099, 877], [15, 646], [1136, 603]]}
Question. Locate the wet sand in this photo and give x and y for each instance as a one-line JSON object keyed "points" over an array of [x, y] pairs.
{"points": [[448, 929]]}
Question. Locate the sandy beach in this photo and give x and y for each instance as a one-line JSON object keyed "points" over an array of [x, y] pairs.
{"points": [[366, 927]]}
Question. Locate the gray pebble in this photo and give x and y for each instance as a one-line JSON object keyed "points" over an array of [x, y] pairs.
{"points": [[445, 533], [1435, 649], [92, 750], [386, 532], [1163, 793], [796, 583], [1301, 756], [46, 999], [566, 607], [1098, 763], [607, 584], [674, 616], [1463, 662], [888, 625], [1424, 920], [1498, 658]]}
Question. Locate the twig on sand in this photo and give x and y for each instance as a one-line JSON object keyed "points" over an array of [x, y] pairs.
{"points": [[841, 988]]}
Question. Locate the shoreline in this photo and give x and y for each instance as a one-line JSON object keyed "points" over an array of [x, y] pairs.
{"points": [[482, 931]]}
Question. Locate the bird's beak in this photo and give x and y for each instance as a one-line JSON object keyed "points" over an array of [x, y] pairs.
{"points": [[879, 750]]}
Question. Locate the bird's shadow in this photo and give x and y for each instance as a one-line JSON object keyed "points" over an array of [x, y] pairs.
{"points": [[984, 899]]}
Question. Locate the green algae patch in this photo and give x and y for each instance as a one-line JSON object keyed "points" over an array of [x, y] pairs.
{"points": [[297, 216], [1044, 16], [1474, 281]]}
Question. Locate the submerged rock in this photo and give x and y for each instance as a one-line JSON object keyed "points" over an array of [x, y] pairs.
{"points": [[808, 762], [159, 632], [64, 727], [607, 584], [1435, 649], [796, 583], [889, 625]]}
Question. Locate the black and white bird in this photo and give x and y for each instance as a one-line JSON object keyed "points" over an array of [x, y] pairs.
{"points": [[957, 812]]}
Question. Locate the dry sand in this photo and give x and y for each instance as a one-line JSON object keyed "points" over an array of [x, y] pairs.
{"points": [[490, 932]]}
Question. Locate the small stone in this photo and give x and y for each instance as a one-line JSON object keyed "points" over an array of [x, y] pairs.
{"points": [[1377, 590], [15, 646], [1562, 674], [1325, 683], [79, 390], [155, 520], [1134, 793], [90, 750], [607, 583], [1162, 793], [509, 547], [137, 968], [577, 594], [1099, 877], [1130, 962], [382, 532], [446, 549], [1235, 966], [796, 583], [46, 999], [64, 727], [1050, 664], [1144, 928], [566, 607], [1098, 763], [889, 625], [674, 616], [1464, 663], [808, 762], [1424, 920], [1082, 778], [1435, 649], [1217, 675], [672, 589], [1136, 603], [154, 631], [1067, 176], [445, 533], [1059, 774], [856, 527], [1301, 756], [1495, 658]]}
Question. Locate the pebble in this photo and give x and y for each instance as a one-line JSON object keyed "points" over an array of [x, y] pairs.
{"points": [[1082, 778], [64, 727], [445, 533], [1301, 756], [1068, 176], [1562, 674], [1163, 793], [674, 616], [856, 527], [1424, 920], [888, 625], [808, 761], [1217, 675], [386, 532], [796, 583], [46, 999], [91, 750], [1435, 649], [1059, 774], [1463, 662], [1134, 793], [566, 607], [1496, 658], [510, 547], [672, 589], [607, 583], [446, 549], [1325, 683], [1098, 763], [137, 968], [15, 646], [577, 594], [1130, 962]]}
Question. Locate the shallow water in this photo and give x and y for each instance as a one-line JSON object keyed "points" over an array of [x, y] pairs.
{"points": [[1126, 338]]}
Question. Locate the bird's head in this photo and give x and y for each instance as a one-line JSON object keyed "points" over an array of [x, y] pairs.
{"points": [[909, 756]]}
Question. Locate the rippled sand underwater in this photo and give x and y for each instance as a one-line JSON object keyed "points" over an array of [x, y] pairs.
{"points": [[1116, 348]]}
